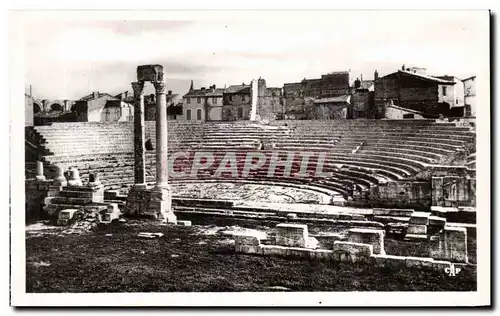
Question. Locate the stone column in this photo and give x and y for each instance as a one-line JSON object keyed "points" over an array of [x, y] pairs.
{"points": [[161, 136], [139, 147], [161, 199], [39, 171]]}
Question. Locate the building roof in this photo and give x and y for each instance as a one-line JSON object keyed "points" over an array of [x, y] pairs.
{"points": [[469, 78], [340, 99], [99, 95], [425, 77], [239, 88], [205, 93]]}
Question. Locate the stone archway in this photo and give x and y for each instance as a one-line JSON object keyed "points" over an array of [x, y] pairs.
{"points": [[37, 107], [56, 107]]}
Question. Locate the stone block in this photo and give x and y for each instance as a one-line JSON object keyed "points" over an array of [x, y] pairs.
{"points": [[322, 254], [291, 235], [420, 218], [184, 223], [351, 252], [402, 212], [150, 73], [358, 217], [415, 237], [417, 229], [437, 221], [382, 211], [388, 261], [248, 249], [418, 262], [312, 243], [345, 217], [291, 216], [451, 245], [327, 241], [111, 194], [271, 250], [299, 252], [332, 215], [440, 265], [246, 240], [374, 237]]}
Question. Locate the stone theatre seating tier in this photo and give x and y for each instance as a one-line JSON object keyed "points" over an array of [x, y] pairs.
{"points": [[360, 153]]}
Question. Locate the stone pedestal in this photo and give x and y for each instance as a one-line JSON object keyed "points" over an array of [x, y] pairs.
{"points": [[74, 177], [374, 237], [155, 203], [451, 245], [161, 204], [291, 235], [39, 171], [417, 226], [60, 179]]}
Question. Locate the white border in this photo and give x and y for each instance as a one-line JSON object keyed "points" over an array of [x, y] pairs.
{"points": [[20, 298]]}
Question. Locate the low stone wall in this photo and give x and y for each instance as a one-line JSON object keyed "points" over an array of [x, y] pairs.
{"points": [[362, 245], [341, 252]]}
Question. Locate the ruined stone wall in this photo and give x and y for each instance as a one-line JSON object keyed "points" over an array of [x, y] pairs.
{"points": [[453, 191], [399, 194], [236, 106], [35, 193]]}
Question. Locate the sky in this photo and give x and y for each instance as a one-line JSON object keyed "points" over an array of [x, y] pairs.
{"points": [[69, 58]]}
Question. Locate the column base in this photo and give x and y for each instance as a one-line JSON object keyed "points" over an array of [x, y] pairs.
{"points": [[139, 186], [161, 204], [156, 202]]}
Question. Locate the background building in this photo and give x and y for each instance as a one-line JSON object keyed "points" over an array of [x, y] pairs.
{"points": [[470, 96], [237, 103], [203, 104], [413, 89], [301, 99]]}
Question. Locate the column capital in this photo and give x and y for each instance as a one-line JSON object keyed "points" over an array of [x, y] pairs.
{"points": [[138, 88], [160, 87]]}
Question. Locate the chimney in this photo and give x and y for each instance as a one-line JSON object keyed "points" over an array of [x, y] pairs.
{"points": [[169, 92], [126, 94], [31, 91], [375, 75], [403, 67], [96, 94], [357, 83]]}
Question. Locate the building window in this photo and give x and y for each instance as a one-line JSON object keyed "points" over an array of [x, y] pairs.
{"points": [[188, 100], [188, 115], [444, 90], [240, 113], [198, 100], [456, 101], [198, 114], [214, 100], [230, 98]]}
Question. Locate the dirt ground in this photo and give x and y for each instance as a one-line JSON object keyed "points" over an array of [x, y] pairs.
{"points": [[198, 258]]}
